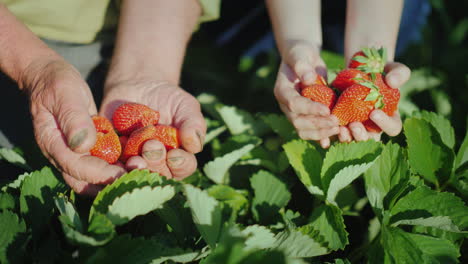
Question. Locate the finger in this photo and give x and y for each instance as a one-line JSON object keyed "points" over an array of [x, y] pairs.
{"points": [[295, 103], [154, 154], [302, 122], [358, 131], [181, 163], [345, 135], [302, 59], [317, 134], [375, 135], [391, 125], [397, 74], [325, 143], [192, 128], [72, 111], [81, 187], [136, 163]]}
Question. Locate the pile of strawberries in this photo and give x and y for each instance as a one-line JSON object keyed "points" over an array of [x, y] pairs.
{"points": [[136, 124], [361, 88]]}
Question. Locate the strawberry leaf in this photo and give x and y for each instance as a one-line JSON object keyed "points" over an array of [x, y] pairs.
{"points": [[127, 249], [328, 221], [37, 198], [234, 198], [306, 161], [7, 202], [462, 155], [403, 247], [16, 184], [270, 195], [239, 121], [441, 124], [258, 237], [444, 210], [14, 158], [427, 154], [216, 169], [206, 213], [138, 201], [343, 163], [280, 125], [12, 227], [386, 178], [298, 245]]}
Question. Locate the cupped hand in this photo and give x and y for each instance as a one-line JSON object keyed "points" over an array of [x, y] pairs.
{"points": [[61, 106], [177, 108], [312, 120], [397, 75]]}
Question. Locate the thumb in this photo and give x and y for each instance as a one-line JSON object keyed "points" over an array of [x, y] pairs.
{"points": [[301, 59], [73, 114]]}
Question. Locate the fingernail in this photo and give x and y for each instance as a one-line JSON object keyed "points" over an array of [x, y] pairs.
{"points": [[153, 154], [176, 161], [376, 115], [356, 130], [78, 138], [201, 139], [308, 77]]}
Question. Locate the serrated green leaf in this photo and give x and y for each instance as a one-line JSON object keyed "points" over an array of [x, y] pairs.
{"points": [[16, 183], [129, 181], [139, 201], [328, 221], [425, 203], [209, 103], [239, 121], [7, 202], [226, 194], [125, 249], [306, 161], [403, 247], [442, 125], [280, 125], [216, 170], [345, 177], [14, 158], [342, 155], [68, 210], [426, 153], [258, 237], [206, 214], [37, 198], [462, 155], [235, 142], [386, 178], [298, 245], [270, 195], [11, 227], [213, 133]]}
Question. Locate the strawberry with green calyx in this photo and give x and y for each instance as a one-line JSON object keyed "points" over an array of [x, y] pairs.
{"points": [[391, 97], [107, 146], [320, 80], [348, 77], [369, 60], [357, 102], [320, 93]]}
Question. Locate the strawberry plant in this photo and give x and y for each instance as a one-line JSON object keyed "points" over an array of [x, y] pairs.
{"points": [[261, 195]]}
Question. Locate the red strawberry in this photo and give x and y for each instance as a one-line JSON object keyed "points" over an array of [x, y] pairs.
{"points": [[369, 60], [320, 93], [390, 100], [348, 77], [355, 104], [107, 145], [132, 116], [123, 141], [166, 134]]}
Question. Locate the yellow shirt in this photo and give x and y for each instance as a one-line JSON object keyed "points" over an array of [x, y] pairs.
{"points": [[79, 21]]}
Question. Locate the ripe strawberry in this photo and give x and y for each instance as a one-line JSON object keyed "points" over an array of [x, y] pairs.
{"points": [[348, 77], [390, 100], [320, 93], [165, 134], [107, 145], [132, 116], [123, 141], [356, 103], [369, 60]]}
